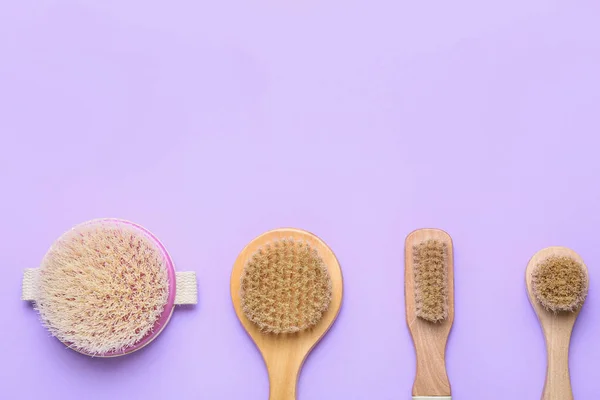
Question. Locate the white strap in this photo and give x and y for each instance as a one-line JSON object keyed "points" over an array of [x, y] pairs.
{"points": [[29, 285], [432, 397], [186, 291]]}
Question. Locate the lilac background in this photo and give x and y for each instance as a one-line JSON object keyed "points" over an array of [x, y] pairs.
{"points": [[212, 122]]}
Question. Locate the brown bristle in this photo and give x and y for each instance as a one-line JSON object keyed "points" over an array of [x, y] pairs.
{"points": [[285, 287], [559, 284], [431, 280], [102, 287]]}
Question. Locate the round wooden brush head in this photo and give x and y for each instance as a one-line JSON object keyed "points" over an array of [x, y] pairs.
{"points": [[105, 288], [559, 283], [285, 286]]}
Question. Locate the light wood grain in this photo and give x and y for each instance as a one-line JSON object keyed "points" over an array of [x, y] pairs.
{"points": [[557, 330], [284, 354], [429, 338]]}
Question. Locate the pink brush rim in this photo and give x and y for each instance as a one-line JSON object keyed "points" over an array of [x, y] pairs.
{"points": [[164, 318]]}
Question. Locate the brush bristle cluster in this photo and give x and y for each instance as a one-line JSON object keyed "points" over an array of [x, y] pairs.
{"points": [[102, 287], [560, 283], [430, 266], [285, 287]]}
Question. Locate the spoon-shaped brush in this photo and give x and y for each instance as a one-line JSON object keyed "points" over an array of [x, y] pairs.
{"points": [[286, 288], [557, 284]]}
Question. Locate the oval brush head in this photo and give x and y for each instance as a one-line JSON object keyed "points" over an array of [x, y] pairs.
{"points": [[559, 283], [106, 287], [285, 287]]}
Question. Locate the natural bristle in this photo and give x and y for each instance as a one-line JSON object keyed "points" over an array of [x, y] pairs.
{"points": [[285, 287], [102, 287], [559, 283], [430, 265]]}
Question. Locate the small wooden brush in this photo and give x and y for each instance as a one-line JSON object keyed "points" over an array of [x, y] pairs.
{"points": [[557, 285], [429, 297]]}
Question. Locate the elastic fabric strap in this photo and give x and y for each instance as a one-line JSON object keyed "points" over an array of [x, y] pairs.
{"points": [[432, 397], [185, 283], [29, 284], [186, 291]]}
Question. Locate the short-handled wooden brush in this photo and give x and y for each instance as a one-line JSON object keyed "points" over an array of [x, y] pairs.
{"points": [[429, 298], [557, 284]]}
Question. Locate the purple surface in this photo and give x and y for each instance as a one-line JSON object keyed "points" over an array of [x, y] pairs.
{"points": [[211, 122]]}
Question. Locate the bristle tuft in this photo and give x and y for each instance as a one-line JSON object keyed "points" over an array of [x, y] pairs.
{"points": [[285, 287], [560, 283], [430, 265], [102, 287]]}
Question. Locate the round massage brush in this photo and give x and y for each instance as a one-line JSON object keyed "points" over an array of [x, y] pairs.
{"points": [[557, 284], [107, 288], [429, 300], [286, 288]]}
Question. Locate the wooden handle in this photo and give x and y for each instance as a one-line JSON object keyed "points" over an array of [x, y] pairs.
{"points": [[430, 346], [283, 376], [558, 381]]}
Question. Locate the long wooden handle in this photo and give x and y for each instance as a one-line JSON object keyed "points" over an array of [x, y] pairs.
{"points": [[431, 377], [558, 381], [283, 376]]}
